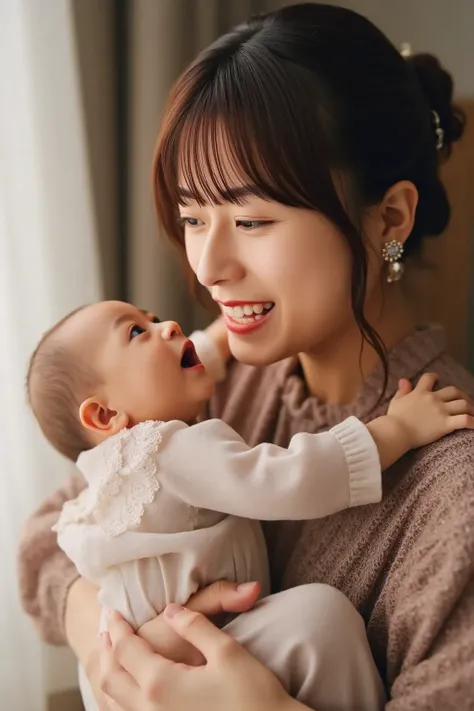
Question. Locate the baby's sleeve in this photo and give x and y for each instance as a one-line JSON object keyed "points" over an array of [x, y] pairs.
{"points": [[209, 466]]}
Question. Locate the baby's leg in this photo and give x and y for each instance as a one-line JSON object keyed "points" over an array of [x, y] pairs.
{"points": [[314, 640]]}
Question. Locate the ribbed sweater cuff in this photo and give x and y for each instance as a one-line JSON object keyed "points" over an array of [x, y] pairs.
{"points": [[363, 462]]}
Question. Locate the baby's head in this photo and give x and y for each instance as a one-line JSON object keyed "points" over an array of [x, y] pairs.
{"points": [[108, 366]]}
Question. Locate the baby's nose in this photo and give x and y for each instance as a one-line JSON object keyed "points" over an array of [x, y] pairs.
{"points": [[170, 330]]}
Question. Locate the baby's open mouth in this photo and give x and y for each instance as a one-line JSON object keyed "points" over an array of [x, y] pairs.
{"points": [[189, 357]]}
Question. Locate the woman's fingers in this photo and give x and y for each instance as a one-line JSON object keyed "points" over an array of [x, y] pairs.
{"points": [[427, 382], [200, 632], [130, 651], [223, 596], [220, 597], [115, 682], [137, 678], [164, 640]]}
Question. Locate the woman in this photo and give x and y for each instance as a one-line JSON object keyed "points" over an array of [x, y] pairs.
{"points": [[298, 155]]}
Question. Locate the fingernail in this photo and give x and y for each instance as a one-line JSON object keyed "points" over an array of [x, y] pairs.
{"points": [[113, 615], [245, 587], [173, 609]]}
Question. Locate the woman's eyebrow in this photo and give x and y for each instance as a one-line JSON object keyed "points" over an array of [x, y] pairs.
{"points": [[229, 195]]}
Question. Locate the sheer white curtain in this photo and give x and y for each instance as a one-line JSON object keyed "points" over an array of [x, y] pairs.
{"points": [[48, 265]]}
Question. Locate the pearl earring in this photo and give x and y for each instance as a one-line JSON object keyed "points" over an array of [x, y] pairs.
{"points": [[392, 253]]}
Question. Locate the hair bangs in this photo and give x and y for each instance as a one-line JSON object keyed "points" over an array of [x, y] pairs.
{"points": [[242, 132]]}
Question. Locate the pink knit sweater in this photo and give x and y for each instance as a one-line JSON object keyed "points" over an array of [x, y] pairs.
{"points": [[407, 564]]}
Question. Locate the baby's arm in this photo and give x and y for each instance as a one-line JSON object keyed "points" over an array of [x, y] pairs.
{"points": [[209, 465], [212, 347]]}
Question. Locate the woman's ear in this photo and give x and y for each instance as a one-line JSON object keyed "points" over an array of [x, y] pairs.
{"points": [[397, 211], [95, 416]]}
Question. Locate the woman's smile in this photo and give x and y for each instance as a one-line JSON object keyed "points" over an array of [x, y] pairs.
{"points": [[242, 317]]}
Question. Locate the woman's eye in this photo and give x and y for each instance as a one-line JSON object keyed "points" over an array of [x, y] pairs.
{"points": [[191, 222], [252, 224], [136, 331]]}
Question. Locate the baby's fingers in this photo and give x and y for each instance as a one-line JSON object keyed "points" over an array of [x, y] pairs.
{"points": [[451, 393], [404, 387], [460, 407], [427, 382], [461, 422]]}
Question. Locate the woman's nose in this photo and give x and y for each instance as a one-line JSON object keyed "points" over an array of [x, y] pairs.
{"points": [[170, 330], [208, 275], [216, 261]]}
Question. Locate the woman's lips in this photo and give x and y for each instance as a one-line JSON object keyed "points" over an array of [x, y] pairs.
{"points": [[243, 311], [246, 317]]}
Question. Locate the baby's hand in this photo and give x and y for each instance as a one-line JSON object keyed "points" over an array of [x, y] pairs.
{"points": [[217, 332], [418, 416], [425, 415]]}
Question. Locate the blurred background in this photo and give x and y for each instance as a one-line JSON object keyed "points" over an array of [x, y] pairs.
{"points": [[82, 88]]}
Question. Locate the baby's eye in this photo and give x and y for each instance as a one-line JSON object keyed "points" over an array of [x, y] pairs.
{"points": [[156, 319], [136, 331]]}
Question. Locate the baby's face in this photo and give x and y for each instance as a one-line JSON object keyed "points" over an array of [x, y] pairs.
{"points": [[148, 370]]}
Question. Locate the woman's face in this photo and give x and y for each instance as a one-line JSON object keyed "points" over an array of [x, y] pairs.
{"points": [[281, 275]]}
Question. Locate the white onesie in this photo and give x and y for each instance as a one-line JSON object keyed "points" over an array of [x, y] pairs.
{"points": [[170, 508]]}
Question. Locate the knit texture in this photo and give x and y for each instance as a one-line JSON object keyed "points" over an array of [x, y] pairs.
{"points": [[407, 564]]}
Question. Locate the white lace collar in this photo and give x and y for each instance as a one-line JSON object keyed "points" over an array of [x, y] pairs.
{"points": [[122, 477]]}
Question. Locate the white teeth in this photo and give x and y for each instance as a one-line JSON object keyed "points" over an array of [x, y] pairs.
{"points": [[248, 313]]}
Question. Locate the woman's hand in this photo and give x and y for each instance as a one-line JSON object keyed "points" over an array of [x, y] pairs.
{"points": [[218, 598], [137, 679], [82, 623]]}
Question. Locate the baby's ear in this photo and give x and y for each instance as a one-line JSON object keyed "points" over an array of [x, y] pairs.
{"points": [[95, 416]]}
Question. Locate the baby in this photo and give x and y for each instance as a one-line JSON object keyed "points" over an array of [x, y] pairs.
{"points": [[172, 505]]}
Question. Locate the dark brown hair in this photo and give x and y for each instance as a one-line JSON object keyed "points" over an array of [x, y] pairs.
{"points": [[288, 97], [55, 381]]}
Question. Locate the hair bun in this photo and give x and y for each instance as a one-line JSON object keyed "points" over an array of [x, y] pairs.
{"points": [[437, 85]]}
